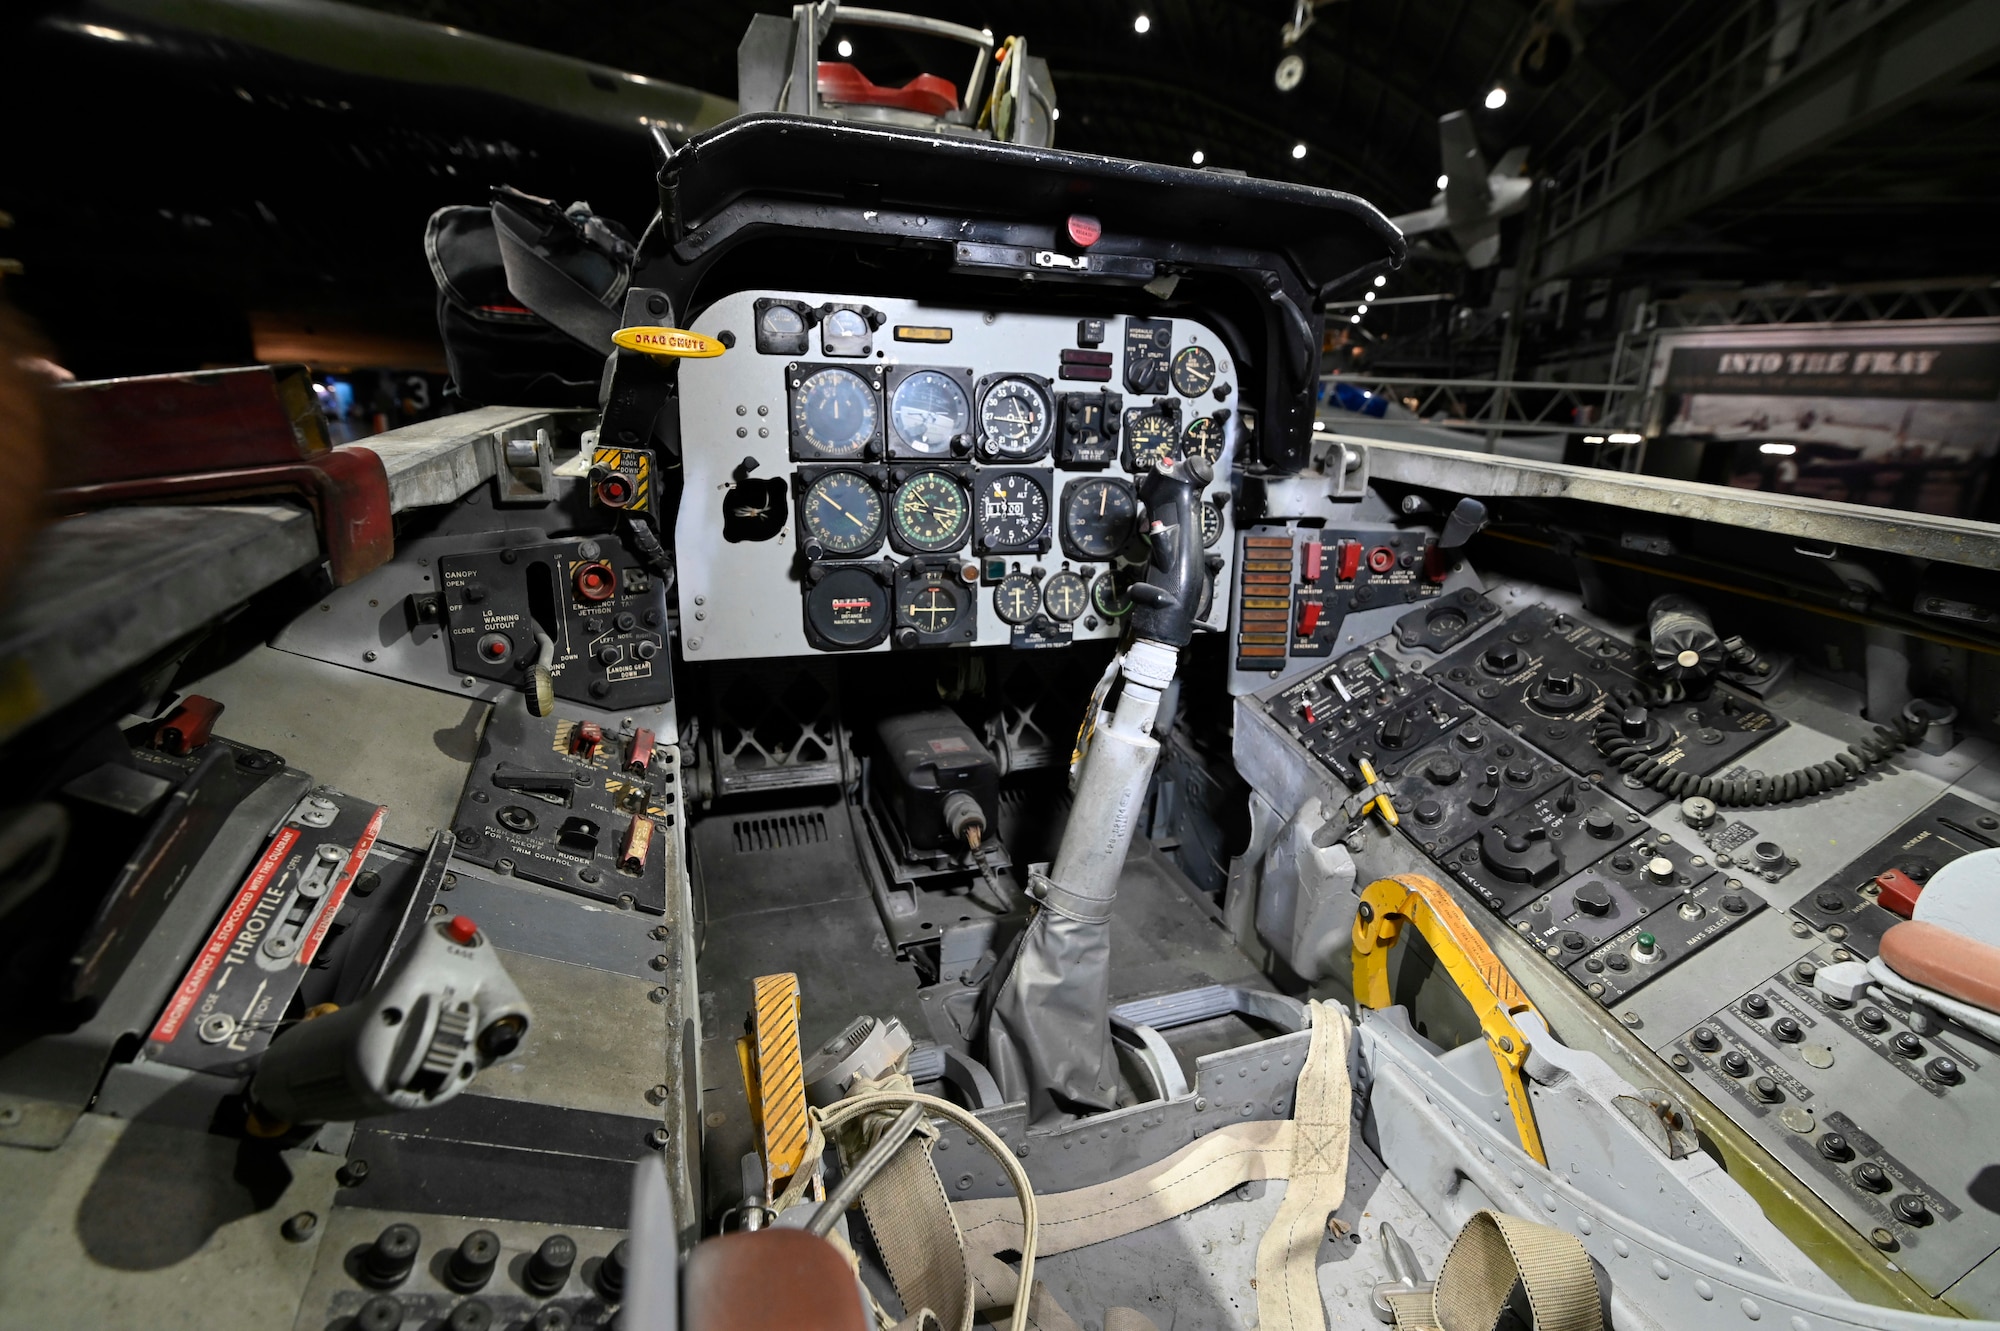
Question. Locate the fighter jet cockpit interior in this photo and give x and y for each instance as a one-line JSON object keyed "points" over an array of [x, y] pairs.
{"points": [[934, 728]]}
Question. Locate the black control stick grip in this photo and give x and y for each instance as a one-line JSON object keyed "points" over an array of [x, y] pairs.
{"points": [[1163, 605]]}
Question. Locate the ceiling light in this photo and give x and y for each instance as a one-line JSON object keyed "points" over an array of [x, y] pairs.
{"points": [[1778, 450], [1381, 280], [1354, 318], [1199, 157], [1319, 425], [1369, 296], [1443, 181], [1593, 439], [846, 48], [1142, 24], [1496, 99], [1298, 151], [1055, 113], [1625, 437]]}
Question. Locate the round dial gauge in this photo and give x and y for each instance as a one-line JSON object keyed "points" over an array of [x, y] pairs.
{"points": [[1013, 511], [1203, 439], [1151, 437], [846, 324], [930, 512], [847, 608], [833, 413], [1211, 524], [1109, 598], [929, 410], [1014, 418], [1065, 595], [781, 321], [1194, 371], [930, 603], [1017, 598], [1098, 517], [842, 511]]}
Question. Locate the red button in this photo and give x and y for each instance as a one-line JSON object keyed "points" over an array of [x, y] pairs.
{"points": [[462, 930], [1084, 231]]}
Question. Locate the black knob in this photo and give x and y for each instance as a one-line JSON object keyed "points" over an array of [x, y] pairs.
{"points": [[611, 1273], [471, 1265], [1787, 1030], [548, 1270], [1766, 1090], [1735, 1064], [1472, 737], [1519, 774], [625, 620], [1830, 901], [1632, 723], [1622, 863], [1566, 797], [1835, 1148], [1600, 824], [388, 1260], [1429, 812], [1619, 962], [1871, 1019], [1804, 972], [472, 1315], [609, 653], [646, 649], [906, 636], [1501, 659], [1945, 1070], [1757, 1005], [1442, 770], [1734, 904], [1594, 898], [1908, 1045], [1705, 1040], [1573, 941], [555, 1317], [1911, 1210], [1869, 1175], [382, 1312], [1396, 731]]}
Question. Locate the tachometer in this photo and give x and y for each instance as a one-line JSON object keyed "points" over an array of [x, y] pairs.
{"points": [[928, 410], [929, 513], [1065, 595], [1152, 436], [1203, 439], [1099, 516], [1015, 419], [1194, 371], [1017, 598], [1013, 511], [833, 414], [842, 513]]}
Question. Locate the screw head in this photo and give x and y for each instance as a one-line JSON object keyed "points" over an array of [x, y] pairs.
{"points": [[298, 1228]]}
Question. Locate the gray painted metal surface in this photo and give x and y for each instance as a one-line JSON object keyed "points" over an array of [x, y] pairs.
{"points": [[438, 461]]}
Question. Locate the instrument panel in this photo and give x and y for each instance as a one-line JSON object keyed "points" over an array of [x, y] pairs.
{"points": [[875, 474]]}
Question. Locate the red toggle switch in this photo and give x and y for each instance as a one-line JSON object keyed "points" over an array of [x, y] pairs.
{"points": [[1308, 618], [1899, 893], [1311, 717], [1313, 556], [1350, 560], [1437, 564]]}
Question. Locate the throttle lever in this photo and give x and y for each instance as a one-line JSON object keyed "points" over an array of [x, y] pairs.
{"points": [[1163, 605]]}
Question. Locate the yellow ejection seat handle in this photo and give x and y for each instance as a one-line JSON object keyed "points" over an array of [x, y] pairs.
{"points": [[1389, 904]]}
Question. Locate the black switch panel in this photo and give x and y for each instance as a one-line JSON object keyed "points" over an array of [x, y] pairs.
{"points": [[1669, 935], [605, 612], [1949, 828], [1525, 854], [1466, 781]]}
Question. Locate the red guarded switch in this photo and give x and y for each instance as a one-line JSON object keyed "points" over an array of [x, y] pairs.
{"points": [[1314, 554], [1437, 564], [586, 739], [462, 930], [640, 757], [1899, 892], [1350, 560], [1308, 618]]}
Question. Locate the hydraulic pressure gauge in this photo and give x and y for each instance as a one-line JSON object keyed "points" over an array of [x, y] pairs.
{"points": [[833, 414], [1194, 371], [1016, 418], [927, 411], [1109, 598], [1013, 511], [842, 513], [845, 332], [1065, 595], [1152, 436], [1203, 439], [1017, 598], [1099, 516], [1211, 524], [928, 513]]}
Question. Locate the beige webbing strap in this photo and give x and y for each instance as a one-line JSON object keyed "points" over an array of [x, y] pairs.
{"points": [[923, 1319], [1487, 1257], [911, 1220], [1288, 1297]]}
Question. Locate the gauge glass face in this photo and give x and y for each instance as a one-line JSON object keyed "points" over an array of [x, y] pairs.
{"points": [[1017, 598], [848, 608], [930, 603], [930, 512], [1211, 524], [846, 324], [1194, 371], [1151, 435], [782, 321], [1098, 518], [833, 413], [929, 410], [1065, 595], [842, 512], [1013, 510], [1109, 598], [1203, 439], [845, 333], [1014, 418]]}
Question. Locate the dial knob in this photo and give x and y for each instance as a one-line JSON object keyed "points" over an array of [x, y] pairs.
{"points": [[1594, 898], [1429, 812], [1599, 823], [1396, 731], [1442, 770], [470, 1265], [1633, 722], [1502, 658]]}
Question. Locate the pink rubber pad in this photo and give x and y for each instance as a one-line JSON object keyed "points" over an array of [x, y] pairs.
{"points": [[1945, 961]]}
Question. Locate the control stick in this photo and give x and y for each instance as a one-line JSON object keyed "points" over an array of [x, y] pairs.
{"points": [[1048, 1030]]}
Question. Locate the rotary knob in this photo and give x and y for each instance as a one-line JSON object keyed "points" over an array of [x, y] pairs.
{"points": [[1633, 723], [1600, 824], [1501, 659], [1429, 812], [1396, 731], [548, 1269], [1835, 1148], [1442, 770], [1594, 898], [470, 1265]]}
